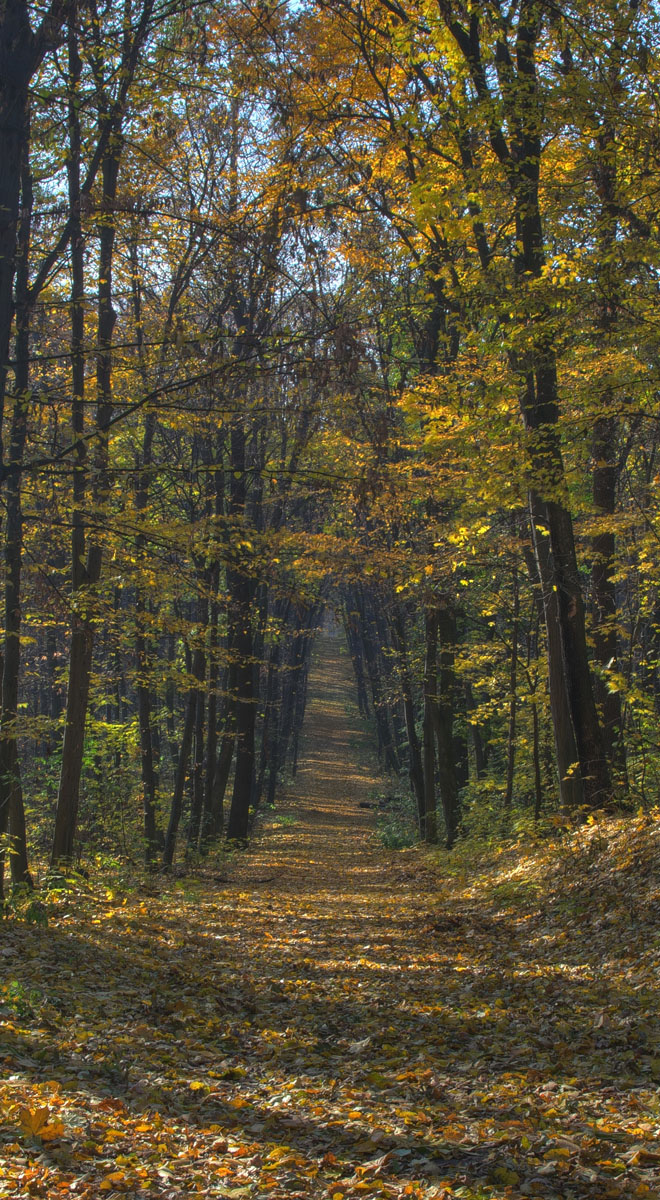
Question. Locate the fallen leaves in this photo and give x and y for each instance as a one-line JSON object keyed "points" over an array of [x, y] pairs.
{"points": [[318, 1040]]}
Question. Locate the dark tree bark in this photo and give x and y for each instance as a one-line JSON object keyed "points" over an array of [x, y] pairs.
{"points": [[241, 635], [371, 646], [211, 747], [176, 807], [355, 651], [444, 722], [479, 745], [197, 801], [145, 718], [269, 732], [566, 754], [605, 469], [606, 650], [11, 792], [416, 766], [85, 570], [430, 829], [21, 53], [222, 772], [513, 698]]}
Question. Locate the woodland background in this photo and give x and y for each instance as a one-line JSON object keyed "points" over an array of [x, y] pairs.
{"points": [[341, 306]]}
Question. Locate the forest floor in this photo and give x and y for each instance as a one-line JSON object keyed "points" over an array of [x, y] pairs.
{"points": [[319, 1017]]}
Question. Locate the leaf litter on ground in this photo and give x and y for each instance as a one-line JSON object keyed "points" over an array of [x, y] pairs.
{"points": [[329, 1019]]}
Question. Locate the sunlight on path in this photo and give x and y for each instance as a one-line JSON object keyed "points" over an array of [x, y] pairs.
{"points": [[325, 843], [317, 859]]}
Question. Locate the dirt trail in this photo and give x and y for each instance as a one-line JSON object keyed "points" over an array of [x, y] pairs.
{"points": [[325, 1020], [321, 841]]}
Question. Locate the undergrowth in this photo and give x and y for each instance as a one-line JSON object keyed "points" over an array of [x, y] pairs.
{"points": [[603, 870]]}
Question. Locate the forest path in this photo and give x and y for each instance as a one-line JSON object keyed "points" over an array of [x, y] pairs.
{"points": [[320, 842], [322, 1019]]}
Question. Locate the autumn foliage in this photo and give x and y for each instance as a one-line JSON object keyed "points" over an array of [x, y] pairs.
{"points": [[323, 324], [338, 305]]}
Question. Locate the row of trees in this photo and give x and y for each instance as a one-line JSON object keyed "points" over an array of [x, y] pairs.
{"points": [[511, 160], [164, 371], [347, 303]]}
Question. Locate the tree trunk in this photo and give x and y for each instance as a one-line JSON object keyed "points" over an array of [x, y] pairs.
{"points": [[176, 807], [604, 453], [444, 723], [568, 768], [241, 638], [536, 752], [145, 718], [244, 775], [11, 791], [513, 683], [604, 486], [211, 748], [20, 55], [479, 745], [85, 575], [147, 767], [370, 644], [416, 766], [222, 772], [430, 830], [355, 651], [80, 668], [197, 802]]}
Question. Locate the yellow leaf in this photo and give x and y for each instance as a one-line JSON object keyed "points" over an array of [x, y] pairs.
{"points": [[51, 1131], [196, 1085], [278, 1153], [34, 1120], [111, 1181]]}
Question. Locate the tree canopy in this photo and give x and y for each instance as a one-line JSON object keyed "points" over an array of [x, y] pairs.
{"points": [[341, 306]]}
